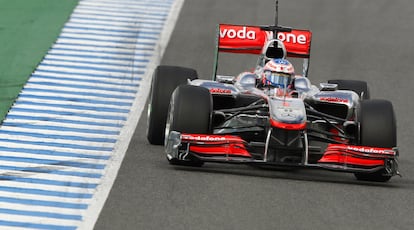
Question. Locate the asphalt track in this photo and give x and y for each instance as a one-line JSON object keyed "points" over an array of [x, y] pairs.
{"points": [[369, 40]]}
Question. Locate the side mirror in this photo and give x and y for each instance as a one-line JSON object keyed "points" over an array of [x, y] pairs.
{"points": [[225, 79], [302, 84], [328, 87]]}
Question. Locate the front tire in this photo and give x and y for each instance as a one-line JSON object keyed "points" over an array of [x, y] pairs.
{"points": [[377, 129], [164, 81], [190, 112]]}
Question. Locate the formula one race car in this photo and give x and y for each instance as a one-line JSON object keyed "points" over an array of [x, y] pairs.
{"points": [[271, 116]]}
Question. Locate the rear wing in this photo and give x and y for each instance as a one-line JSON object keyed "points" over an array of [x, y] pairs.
{"points": [[247, 39]]}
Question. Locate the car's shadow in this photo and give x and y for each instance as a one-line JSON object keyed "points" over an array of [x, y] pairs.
{"points": [[315, 175]]}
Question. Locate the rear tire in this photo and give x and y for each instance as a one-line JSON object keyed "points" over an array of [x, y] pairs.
{"points": [[359, 87], [165, 79], [190, 112], [377, 129]]}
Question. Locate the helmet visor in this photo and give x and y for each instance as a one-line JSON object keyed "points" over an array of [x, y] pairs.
{"points": [[278, 80]]}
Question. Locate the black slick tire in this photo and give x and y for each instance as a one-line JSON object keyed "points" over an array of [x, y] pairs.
{"points": [[164, 81], [190, 112], [377, 129]]}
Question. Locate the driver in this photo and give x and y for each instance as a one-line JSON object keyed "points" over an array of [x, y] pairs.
{"points": [[277, 74]]}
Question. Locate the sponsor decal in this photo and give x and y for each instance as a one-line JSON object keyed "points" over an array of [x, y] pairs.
{"points": [[211, 138], [281, 61], [297, 42], [293, 38], [242, 33], [370, 150], [203, 138], [250, 39], [334, 99], [220, 91], [241, 39]]}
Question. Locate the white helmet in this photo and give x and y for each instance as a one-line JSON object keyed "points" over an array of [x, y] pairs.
{"points": [[278, 73]]}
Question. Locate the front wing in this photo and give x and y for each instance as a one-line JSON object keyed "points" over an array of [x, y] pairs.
{"points": [[233, 149]]}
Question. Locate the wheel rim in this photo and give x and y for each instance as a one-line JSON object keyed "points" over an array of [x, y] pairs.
{"points": [[168, 124]]}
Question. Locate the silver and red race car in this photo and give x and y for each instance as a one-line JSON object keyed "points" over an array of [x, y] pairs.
{"points": [[251, 120]]}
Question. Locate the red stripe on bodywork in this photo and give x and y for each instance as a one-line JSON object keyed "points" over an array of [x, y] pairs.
{"points": [[281, 125], [356, 155], [227, 149], [216, 144]]}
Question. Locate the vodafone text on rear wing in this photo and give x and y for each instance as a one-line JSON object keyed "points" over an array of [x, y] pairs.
{"points": [[253, 40]]}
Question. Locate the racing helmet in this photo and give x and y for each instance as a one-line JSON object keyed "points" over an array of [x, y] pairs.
{"points": [[278, 73]]}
